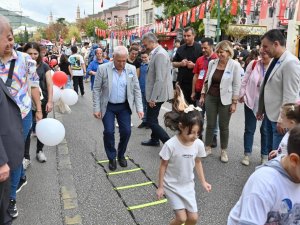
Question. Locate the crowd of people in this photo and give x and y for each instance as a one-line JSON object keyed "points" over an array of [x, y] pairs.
{"points": [[201, 80]]}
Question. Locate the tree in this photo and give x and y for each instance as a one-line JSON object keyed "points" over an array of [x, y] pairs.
{"points": [[73, 31], [237, 33]]}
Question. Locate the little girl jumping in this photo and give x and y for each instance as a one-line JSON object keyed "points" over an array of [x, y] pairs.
{"points": [[288, 119], [179, 156]]}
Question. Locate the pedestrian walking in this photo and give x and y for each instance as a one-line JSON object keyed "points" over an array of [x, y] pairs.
{"points": [[159, 87], [116, 90], [221, 95]]}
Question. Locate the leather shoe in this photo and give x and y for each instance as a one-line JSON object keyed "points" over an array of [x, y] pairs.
{"points": [[122, 162], [150, 143], [112, 165], [214, 142]]}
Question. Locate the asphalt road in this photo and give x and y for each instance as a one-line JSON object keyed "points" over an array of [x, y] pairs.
{"points": [[41, 201]]}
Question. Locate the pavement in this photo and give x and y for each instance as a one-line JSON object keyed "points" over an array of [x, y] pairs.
{"points": [[71, 188]]}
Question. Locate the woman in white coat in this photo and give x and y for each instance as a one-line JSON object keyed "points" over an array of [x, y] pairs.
{"points": [[220, 93]]}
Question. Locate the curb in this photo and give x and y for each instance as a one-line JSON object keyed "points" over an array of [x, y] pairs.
{"points": [[69, 200]]}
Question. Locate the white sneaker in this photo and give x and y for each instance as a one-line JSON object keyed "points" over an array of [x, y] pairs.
{"points": [[40, 156], [246, 161], [224, 157], [208, 151], [263, 160], [26, 163]]}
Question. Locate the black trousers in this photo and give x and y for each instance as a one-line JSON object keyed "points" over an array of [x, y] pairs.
{"points": [[158, 133], [5, 218], [78, 81]]}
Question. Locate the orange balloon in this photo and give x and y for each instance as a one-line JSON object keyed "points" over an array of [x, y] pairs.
{"points": [[59, 78]]}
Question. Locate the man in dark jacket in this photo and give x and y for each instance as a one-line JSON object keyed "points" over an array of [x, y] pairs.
{"points": [[11, 135], [11, 146]]}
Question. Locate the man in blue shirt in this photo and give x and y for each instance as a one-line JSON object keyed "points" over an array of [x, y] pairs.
{"points": [[93, 66], [115, 93], [142, 81]]}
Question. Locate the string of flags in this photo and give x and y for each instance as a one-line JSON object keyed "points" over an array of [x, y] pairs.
{"points": [[170, 25]]}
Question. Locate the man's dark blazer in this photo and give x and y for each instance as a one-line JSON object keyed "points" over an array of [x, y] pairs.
{"points": [[11, 131]]}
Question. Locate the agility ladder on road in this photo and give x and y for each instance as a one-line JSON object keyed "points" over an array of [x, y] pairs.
{"points": [[118, 189]]}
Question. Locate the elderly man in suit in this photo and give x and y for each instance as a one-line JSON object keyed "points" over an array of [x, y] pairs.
{"points": [[11, 145], [116, 90], [159, 87], [281, 84]]}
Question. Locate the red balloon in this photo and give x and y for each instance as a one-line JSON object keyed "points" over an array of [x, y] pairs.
{"points": [[53, 62], [59, 78]]}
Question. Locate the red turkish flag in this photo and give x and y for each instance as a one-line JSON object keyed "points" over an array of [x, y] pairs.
{"points": [[170, 24], [202, 11], [263, 9], [184, 19], [282, 9], [177, 22], [193, 15], [234, 6], [248, 9]]}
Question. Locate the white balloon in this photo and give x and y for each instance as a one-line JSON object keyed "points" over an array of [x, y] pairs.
{"points": [[50, 131], [56, 93], [69, 96]]}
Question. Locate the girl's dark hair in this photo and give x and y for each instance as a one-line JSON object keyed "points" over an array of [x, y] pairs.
{"points": [[177, 115], [291, 111], [294, 141], [63, 58], [35, 46]]}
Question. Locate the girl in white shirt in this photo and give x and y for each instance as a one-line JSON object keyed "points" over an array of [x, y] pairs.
{"points": [[288, 119], [179, 156]]}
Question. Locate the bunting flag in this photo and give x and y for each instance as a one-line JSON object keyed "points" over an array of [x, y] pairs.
{"points": [[282, 9], [173, 23], [188, 17], [242, 7], [184, 18], [177, 26], [193, 15], [202, 11], [180, 19], [234, 7], [197, 13], [170, 24], [102, 3], [263, 9], [248, 9]]}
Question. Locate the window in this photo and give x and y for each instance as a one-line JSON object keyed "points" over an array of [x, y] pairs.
{"points": [[133, 20], [149, 16], [133, 3]]}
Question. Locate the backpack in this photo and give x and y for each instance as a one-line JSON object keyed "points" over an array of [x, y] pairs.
{"points": [[254, 64]]}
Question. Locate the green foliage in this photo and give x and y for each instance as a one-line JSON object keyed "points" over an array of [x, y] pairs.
{"points": [[175, 7], [91, 24], [73, 31]]}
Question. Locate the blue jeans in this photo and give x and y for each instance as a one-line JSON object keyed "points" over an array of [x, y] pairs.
{"points": [[123, 114], [69, 83], [274, 138], [92, 81], [144, 107], [250, 127], [19, 172], [158, 133]]}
